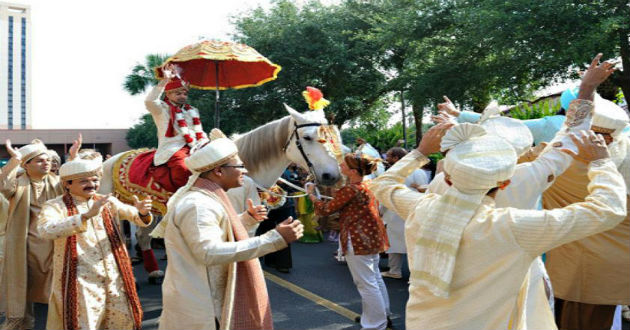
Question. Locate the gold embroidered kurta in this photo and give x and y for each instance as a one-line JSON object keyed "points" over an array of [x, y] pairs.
{"points": [[497, 247], [595, 269], [101, 293], [27, 272]]}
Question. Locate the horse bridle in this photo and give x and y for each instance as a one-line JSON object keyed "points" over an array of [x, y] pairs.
{"points": [[298, 144]]}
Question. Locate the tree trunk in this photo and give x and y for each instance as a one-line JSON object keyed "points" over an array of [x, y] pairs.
{"points": [[404, 117], [417, 118]]}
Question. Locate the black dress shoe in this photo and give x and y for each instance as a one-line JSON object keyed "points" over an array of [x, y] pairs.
{"points": [[283, 270]]}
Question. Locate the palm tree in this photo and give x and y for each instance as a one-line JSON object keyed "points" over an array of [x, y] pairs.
{"points": [[142, 75]]}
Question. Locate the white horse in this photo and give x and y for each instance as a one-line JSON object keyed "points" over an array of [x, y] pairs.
{"points": [[266, 152]]}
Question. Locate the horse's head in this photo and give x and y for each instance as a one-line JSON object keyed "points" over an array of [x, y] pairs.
{"points": [[319, 143]]}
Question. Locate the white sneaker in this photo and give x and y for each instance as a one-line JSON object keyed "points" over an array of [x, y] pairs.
{"points": [[391, 275]]}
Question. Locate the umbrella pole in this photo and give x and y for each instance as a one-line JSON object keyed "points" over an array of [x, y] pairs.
{"points": [[216, 102]]}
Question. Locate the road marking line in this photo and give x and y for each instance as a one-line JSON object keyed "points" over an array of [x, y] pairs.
{"points": [[312, 297]]}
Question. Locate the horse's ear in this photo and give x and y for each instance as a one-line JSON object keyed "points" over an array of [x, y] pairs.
{"points": [[296, 115]]}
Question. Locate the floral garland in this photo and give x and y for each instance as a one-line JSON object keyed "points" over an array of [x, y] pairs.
{"points": [[274, 198], [177, 116]]}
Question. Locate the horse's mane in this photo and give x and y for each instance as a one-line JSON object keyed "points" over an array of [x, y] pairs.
{"points": [[263, 145]]}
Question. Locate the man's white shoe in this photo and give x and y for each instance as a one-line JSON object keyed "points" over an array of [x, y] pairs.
{"points": [[391, 275]]}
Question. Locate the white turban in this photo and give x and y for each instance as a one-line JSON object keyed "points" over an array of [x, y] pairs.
{"points": [[476, 161], [32, 150], [511, 130], [81, 168]]}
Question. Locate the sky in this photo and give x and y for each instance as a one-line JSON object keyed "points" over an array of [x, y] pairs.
{"points": [[82, 51]]}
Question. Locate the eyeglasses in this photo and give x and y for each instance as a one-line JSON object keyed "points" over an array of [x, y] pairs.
{"points": [[241, 166]]}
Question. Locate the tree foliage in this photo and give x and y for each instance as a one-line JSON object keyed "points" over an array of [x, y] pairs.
{"points": [[359, 52]]}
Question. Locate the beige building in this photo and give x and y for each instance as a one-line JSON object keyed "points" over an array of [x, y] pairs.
{"points": [[15, 66], [106, 141]]}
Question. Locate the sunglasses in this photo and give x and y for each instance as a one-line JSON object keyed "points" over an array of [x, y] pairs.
{"points": [[241, 166]]}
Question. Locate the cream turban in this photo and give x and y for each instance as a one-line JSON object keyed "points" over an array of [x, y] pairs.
{"points": [[610, 116], [81, 168], [32, 150], [476, 161], [54, 156], [511, 130], [215, 153]]}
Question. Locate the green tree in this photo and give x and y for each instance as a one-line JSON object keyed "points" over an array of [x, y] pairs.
{"points": [[477, 50], [143, 134], [314, 44], [142, 75]]}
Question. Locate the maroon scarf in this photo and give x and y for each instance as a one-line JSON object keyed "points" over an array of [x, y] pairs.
{"points": [[252, 309], [69, 282]]}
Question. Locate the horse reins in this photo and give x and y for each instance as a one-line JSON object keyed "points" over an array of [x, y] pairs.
{"points": [[298, 144]]}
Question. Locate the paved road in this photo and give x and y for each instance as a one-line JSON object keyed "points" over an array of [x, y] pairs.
{"points": [[317, 294], [315, 271]]}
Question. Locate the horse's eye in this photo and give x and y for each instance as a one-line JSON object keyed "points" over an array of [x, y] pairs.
{"points": [[307, 138]]}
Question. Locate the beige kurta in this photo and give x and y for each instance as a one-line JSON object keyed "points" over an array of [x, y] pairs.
{"points": [[202, 256], [593, 270], [101, 297], [497, 247], [27, 271], [395, 224], [4, 214], [529, 181]]}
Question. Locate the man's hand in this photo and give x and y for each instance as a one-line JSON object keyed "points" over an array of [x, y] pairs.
{"points": [[15, 154], [448, 107], [596, 74], [290, 230], [74, 149], [170, 71], [258, 212], [143, 206], [99, 203], [590, 147], [431, 140], [443, 117]]}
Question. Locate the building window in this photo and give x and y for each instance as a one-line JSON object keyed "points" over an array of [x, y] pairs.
{"points": [[23, 75], [10, 76]]}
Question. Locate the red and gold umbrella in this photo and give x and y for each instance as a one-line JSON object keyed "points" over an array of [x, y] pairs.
{"points": [[219, 65]]}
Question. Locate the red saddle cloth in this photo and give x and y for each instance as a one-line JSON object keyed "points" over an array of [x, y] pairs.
{"points": [[135, 174]]}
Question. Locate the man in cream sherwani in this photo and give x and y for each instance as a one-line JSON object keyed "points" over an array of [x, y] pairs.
{"points": [[467, 255], [93, 282], [214, 279]]}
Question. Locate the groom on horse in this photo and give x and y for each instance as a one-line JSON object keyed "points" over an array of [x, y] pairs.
{"points": [[161, 172], [179, 130]]}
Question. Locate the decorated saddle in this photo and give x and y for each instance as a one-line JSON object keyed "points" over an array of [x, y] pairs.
{"points": [[135, 174]]}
